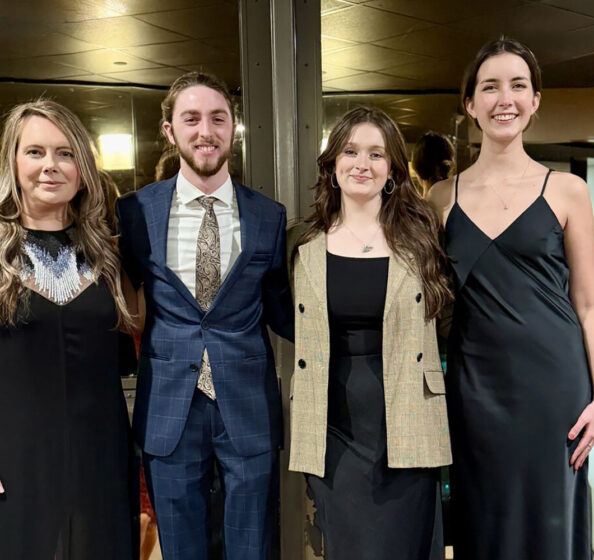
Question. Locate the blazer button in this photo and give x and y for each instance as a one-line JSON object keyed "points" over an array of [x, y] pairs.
{"points": [[301, 364], [205, 326], [419, 356], [301, 308], [193, 367], [418, 298]]}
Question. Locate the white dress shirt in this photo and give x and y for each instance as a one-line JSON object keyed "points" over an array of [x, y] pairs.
{"points": [[185, 219]]}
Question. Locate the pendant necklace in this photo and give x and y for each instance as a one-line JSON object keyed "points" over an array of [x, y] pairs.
{"points": [[367, 247], [507, 204]]}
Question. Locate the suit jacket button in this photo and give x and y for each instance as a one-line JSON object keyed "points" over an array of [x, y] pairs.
{"points": [[418, 298], [301, 308], [193, 367], [301, 364], [419, 356], [205, 325]]}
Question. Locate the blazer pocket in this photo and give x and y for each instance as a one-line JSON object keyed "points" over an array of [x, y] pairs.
{"points": [[261, 257], [435, 381], [153, 356]]}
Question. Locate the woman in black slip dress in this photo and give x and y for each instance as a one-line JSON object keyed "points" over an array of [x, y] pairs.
{"points": [[64, 447], [521, 242], [368, 417]]}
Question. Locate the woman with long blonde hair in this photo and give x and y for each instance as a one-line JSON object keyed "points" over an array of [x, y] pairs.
{"points": [[64, 445]]}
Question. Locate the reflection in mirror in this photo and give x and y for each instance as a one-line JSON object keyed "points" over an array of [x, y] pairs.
{"points": [[562, 137], [123, 123]]}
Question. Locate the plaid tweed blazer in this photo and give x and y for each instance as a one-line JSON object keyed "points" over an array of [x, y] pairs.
{"points": [[416, 417]]}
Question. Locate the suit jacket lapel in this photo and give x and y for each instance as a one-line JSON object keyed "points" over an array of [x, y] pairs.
{"points": [[313, 257], [157, 213], [157, 218], [397, 270], [249, 225]]}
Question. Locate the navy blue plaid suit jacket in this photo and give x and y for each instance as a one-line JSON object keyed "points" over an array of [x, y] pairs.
{"points": [[254, 294]]}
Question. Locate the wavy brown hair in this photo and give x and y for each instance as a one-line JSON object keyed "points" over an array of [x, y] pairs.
{"points": [[87, 211], [409, 224]]}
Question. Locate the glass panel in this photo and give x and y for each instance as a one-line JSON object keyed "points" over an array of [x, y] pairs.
{"points": [[122, 121]]}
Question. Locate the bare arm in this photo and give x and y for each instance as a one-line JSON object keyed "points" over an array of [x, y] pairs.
{"points": [[441, 198], [135, 302], [579, 247]]}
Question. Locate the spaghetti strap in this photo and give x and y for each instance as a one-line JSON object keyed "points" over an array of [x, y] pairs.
{"points": [[544, 185], [456, 196]]}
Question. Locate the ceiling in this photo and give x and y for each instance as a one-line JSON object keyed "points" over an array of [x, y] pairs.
{"points": [[148, 42], [409, 54], [412, 45], [367, 45]]}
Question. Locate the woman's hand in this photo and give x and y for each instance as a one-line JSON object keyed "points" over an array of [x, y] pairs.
{"points": [[586, 420]]}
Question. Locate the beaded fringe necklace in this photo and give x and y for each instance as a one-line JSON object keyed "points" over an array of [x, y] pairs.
{"points": [[58, 277]]}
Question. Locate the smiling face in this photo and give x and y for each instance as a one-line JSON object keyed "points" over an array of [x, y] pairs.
{"points": [[363, 166], [503, 99], [47, 173], [202, 129]]}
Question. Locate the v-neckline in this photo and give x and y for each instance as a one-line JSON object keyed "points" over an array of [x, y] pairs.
{"points": [[513, 222]]}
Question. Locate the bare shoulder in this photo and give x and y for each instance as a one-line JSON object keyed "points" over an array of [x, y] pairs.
{"points": [[568, 187], [441, 197]]}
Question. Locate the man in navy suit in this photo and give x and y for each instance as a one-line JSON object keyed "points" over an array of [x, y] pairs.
{"points": [[210, 256]]}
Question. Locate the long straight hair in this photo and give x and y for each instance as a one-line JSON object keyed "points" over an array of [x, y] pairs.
{"points": [[87, 210], [409, 224]]}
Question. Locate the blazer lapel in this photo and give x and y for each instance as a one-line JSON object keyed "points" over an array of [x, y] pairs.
{"points": [[157, 213], [249, 225], [397, 270], [313, 257]]}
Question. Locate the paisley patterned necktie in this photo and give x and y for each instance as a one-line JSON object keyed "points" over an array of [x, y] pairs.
{"points": [[208, 279]]}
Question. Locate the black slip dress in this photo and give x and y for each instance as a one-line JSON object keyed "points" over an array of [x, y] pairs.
{"points": [[517, 380]]}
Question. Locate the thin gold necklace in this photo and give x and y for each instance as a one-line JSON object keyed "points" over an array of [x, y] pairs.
{"points": [[367, 247], [507, 204]]}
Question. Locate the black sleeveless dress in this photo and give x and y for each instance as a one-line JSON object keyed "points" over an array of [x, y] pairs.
{"points": [[364, 509], [64, 447], [517, 380]]}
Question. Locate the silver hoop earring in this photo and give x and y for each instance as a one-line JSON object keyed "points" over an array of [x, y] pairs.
{"points": [[390, 180], [334, 185]]}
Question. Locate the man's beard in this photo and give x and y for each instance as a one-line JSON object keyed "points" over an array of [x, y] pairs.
{"points": [[206, 169]]}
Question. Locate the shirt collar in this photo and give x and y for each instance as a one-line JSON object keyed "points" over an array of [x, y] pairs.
{"points": [[187, 192]]}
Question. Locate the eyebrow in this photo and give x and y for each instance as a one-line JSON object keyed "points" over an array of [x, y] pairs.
{"points": [[64, 147], [354, 144], [195, 112], [494, 80]]}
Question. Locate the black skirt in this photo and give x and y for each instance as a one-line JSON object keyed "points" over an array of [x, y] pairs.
{"points": [[364, 509]]}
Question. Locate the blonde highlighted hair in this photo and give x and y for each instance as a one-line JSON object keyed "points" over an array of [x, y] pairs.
{"points": [[87, 210]]}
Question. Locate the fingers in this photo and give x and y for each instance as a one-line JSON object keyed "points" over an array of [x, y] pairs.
{"points": [[1, 488], [578, 426], [581, 453]]}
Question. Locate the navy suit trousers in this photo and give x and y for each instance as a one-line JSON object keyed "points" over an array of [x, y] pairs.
{"points": [[180, 483]]}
